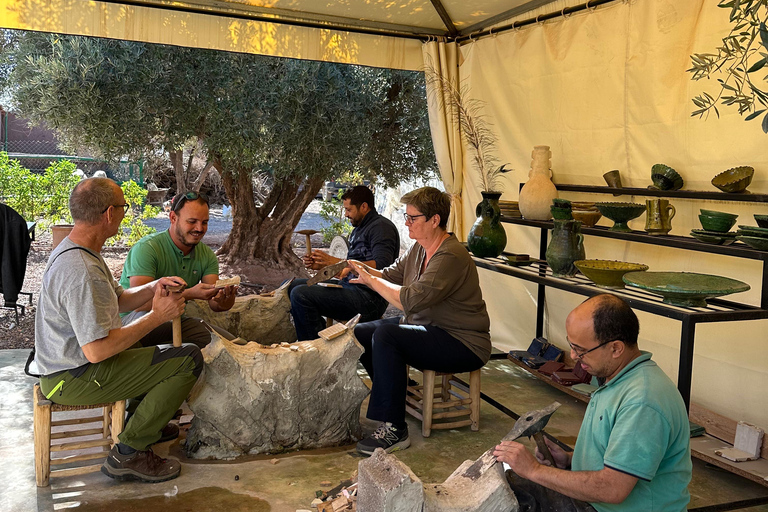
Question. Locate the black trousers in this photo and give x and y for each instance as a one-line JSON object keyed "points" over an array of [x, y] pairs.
{"points": [[533, 497], [391, 346]]}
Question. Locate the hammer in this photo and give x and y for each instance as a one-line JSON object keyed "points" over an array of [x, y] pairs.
{"points": [[307, 233], [531, 424], [177, 320]]}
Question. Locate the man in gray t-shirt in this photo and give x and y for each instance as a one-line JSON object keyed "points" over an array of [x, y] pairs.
{"points": [[83, 352]]}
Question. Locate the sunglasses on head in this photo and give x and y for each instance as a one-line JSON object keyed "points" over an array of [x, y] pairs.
{"points": [[179, 199]]}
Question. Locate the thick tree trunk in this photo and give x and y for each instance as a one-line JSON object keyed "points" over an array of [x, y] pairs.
{"points": [[177, 161], [262, 235]]}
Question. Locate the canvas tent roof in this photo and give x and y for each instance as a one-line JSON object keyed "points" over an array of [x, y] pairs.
{"points": [[370, 32]]}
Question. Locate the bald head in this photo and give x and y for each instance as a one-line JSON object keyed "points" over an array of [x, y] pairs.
{"points": [[91, 197], [608, 318]]}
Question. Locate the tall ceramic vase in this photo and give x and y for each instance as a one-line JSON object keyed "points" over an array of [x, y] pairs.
{"points": [[487, 237], [537, 194], [566, 246]]}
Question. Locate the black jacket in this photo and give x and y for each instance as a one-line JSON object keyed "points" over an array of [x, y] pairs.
{"points": [[14, 247]]}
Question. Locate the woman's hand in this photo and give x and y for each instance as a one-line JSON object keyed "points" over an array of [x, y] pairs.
{"points": [[361, 270]]}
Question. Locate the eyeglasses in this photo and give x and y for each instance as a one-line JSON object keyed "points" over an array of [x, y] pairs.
{"points": [[411, 218], [580, 352], [123, 206], [179, 199]]}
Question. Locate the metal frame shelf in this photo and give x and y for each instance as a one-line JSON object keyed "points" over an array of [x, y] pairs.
{"points": [[745, 197], [717, 310]]}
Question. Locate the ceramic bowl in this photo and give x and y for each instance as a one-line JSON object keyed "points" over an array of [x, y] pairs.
{"points": [[587, 217], [686, 289], [666, 178], [755, 242], [753, 231], [561, 203], [727, 234], [720, 224], [586, 205], [714, 213], [733, 180], [704, 236], [561, 213], [762, 220], [621, 213], [607, 273]]}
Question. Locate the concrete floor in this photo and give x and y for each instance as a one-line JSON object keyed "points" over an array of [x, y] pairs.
{"points": [[289, 483]]}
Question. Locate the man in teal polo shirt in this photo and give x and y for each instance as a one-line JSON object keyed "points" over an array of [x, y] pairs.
{"points": [[633, 450], [178, 252]]}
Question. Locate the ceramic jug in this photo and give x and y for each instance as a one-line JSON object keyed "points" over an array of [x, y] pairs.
{"points": [[566, 246], [537, 194], [487, 238], [659, 218]]}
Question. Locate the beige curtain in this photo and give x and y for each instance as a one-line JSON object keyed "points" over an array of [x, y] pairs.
{"points": [[442, 59]]}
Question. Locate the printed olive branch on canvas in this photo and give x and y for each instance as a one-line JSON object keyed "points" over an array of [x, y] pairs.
{"points": [[741, 55]]}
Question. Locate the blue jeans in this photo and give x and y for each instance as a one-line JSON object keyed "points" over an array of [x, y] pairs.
{"points": [[309, 304], [391, 346]]}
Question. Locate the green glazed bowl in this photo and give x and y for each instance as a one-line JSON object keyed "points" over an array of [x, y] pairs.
{"points": [[762, 220], [755, 242], [716, 239], [736, 179], [666, 178], [621, 213], [686, 289], [721, 224], [753, 231], [714, 213], [607, 273], [561, 213]]}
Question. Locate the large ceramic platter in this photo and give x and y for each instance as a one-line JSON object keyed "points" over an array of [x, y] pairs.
{"points": [[685, 288]]}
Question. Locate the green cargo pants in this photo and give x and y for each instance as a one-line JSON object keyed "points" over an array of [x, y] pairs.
{"points": [[162, 375]]}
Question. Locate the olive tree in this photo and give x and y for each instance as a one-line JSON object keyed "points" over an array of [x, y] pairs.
{"points": [[302, 122]]}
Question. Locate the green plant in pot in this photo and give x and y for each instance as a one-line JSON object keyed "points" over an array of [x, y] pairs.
{"points": [[487, 237]]}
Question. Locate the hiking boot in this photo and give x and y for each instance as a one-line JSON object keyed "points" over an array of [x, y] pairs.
{"points": [[143, 466], [388, 437], [169, 433]]}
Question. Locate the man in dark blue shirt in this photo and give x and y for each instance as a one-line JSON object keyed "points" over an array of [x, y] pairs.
{"points": [[375, 242]]}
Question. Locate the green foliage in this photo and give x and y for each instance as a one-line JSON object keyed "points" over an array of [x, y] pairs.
{"points": [[42, 197], [742, 53], [132, 228], [335, 223]]}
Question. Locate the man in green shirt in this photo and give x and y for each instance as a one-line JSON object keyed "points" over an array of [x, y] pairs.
{"points": [[633, 450], [178, 252]]}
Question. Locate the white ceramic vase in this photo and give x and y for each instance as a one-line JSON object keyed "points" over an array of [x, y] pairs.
{"points": [[537, 194]]}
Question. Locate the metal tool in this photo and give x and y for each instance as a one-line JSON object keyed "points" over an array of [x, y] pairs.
{"points": [[531, 424], [327, 272]]}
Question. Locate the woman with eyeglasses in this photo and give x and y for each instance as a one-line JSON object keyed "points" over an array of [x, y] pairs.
{"points": [[445, 326]]}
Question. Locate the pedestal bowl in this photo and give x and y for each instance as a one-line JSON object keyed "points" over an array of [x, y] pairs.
{"points": [[607, 273], [686, 289], [621, 213], [666, 178]]}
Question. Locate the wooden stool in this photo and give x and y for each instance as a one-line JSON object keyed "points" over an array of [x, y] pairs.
{"points": [[427, 404], [112, 419]]}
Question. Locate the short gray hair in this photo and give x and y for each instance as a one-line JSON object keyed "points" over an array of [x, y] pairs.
{"points": [[90, 198], [430, 201]]}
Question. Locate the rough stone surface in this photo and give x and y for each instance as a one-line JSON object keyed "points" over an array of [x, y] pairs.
{"points": [[253, 399], [460, 493], [387, 485], [265, 319]]}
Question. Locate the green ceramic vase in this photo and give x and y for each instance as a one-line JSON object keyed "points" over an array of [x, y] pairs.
{"points": [[487, 238], [566, 246]]}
